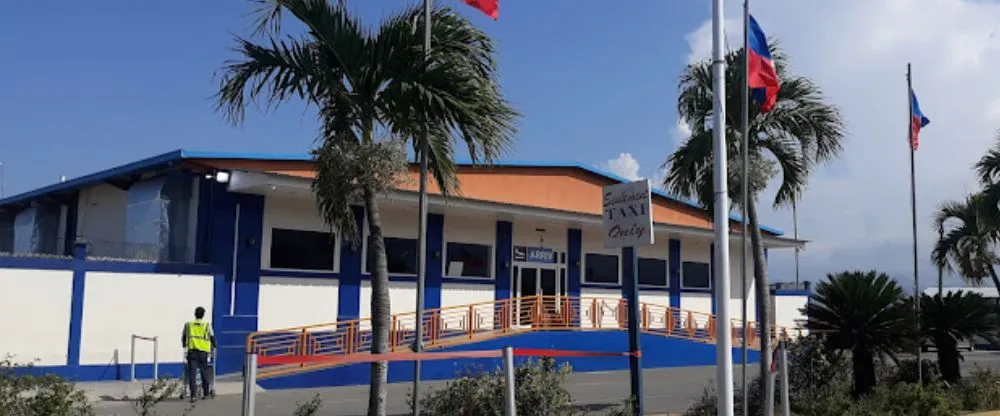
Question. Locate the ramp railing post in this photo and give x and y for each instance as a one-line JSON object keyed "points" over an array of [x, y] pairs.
{"points": [[131, 367], [249, 384], [508, 370], [156, 358]]}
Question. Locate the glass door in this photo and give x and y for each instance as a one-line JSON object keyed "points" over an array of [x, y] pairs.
{"points": [[527, 289]]}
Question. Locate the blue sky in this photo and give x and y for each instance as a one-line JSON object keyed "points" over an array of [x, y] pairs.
{"points": [[87, 85], [99, 83]]}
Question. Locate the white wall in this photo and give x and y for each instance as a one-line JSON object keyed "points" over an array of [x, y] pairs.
{"points": [[457, 294], [607, 302], [117, 305], [525, 234], [402, 299], [35, 315], [288, 302], [293, 214], [786, 312], [101, 219]]}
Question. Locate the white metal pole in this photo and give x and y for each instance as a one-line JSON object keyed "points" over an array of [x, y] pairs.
{"points": [[249, 385], [724, 341], [786, 407], [131, 366], [509, 388], [156, 358]]}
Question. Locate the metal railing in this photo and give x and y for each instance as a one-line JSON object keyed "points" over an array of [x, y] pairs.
{"points": [[482, 321], [156, 356]]}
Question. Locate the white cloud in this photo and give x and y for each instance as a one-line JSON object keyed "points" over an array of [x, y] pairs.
{"points": [[858, 209], [625, 166]]}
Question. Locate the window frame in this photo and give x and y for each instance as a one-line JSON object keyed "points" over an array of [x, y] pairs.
{"points": [[337, 245], [583, 269], [710, 283], [666, 270], [491, 268]]}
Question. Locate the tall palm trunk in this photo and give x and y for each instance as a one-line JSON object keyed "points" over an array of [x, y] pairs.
{"points": [[864, 370], [379, 305], [763, 298], [948, 358]]}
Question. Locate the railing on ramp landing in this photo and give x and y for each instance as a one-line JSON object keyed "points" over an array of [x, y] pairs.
{"points": [[463, 324]]}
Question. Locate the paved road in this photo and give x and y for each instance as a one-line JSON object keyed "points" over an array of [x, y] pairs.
{"points": [[669, 390]]}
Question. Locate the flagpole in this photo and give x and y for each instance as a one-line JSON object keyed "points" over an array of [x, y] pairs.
{"points": [[418, 343], [913, 212], [744, 150], [720, 223]]}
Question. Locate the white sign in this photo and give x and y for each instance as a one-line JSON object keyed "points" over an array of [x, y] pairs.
{"points": [[628, 217]]}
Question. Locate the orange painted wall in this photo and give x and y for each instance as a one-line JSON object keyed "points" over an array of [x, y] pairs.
{"points": [[558, 188]]}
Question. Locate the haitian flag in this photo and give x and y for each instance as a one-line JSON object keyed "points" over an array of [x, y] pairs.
{"points": [[490, 7], [762, 77], [917, 121]]}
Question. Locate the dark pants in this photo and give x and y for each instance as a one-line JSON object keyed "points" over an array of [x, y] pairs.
{"points": [[198, 361]]}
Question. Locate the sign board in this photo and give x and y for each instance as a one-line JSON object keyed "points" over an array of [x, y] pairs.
{"points": [[534, 254], [628, 217]]}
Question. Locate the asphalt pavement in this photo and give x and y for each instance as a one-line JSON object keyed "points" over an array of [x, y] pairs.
{"points": [[668, 390]]}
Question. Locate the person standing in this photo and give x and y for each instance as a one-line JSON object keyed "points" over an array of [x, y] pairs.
{"points": [[199, 341]]}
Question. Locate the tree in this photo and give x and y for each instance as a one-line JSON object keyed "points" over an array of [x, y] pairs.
{"points": [[967, 245], [954, 317], [801, 132], [865, 313], [374, 90]]}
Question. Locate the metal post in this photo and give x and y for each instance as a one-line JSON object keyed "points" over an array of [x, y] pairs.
{"points": [[156, 358], [509, 387], [131, 366], [941, 269], [422, 235], [724, 341], [786, 407], [745, 184], [913, 212], [249, 385], [630, 274], [795, 235]]}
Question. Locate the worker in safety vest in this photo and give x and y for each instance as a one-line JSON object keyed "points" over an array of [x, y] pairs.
{"points": [[199, 341]]}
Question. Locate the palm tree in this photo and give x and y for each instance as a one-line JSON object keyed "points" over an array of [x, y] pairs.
{"points": [[373, 90], [949, 319], [788, 142], [968, 240], [865, 313]]}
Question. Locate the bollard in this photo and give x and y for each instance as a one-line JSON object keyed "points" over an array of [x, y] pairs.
{"points": [[508, 370], [249, 384]]}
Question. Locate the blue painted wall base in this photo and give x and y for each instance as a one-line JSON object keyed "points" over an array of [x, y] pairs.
{"points": [[659, 352]]}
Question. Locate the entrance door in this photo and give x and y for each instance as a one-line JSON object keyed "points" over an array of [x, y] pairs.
{"points": [[539, 290]]}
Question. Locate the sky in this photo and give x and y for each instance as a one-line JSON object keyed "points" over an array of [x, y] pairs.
{"points": [[89, 85]]}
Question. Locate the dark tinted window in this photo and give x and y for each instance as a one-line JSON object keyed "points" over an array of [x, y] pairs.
{"points": [[652, 272], [302, 250], [464, 259], [400, 255], [696, 275], [601, 268]]}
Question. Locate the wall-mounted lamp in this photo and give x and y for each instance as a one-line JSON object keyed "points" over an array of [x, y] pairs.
{"points": [[506, 264], [576, 263], [219, 176], [437, 254]]}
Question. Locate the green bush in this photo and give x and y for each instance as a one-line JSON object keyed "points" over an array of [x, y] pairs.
{"points": [[906, 372], [32, 395], [906, 399], [539, 392], [980, 391]]}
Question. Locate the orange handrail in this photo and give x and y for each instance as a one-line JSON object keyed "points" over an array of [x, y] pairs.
{"points": [[477, 322]]}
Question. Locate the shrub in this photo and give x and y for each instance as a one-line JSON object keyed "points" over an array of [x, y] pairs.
{"points": [[905, 399], [25, 394], [980, 391], [906, 372], [154, 394], [539, 392], [309, 408]]}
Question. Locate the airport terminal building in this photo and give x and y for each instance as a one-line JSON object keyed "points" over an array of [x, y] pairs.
{"points": [[132, 250]]}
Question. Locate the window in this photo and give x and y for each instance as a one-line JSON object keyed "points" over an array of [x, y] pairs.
{"points": [[400, 255], [302, 250], [695, 275], [468, 260], [652, 272], [601, 268]]}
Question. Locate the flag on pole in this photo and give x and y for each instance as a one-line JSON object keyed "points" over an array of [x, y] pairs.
{"points": [[917, 121], [490, 7], [762, 76]]}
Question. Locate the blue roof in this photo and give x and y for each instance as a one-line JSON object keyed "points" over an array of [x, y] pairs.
{"points": [[173, 157]]}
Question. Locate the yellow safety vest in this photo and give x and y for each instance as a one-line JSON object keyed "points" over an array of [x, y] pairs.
{"points": [[197, 336]]}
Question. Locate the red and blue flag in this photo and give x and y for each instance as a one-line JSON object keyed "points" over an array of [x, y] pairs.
{"points": [[917, 121], [762, 74], [489, 7]]}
